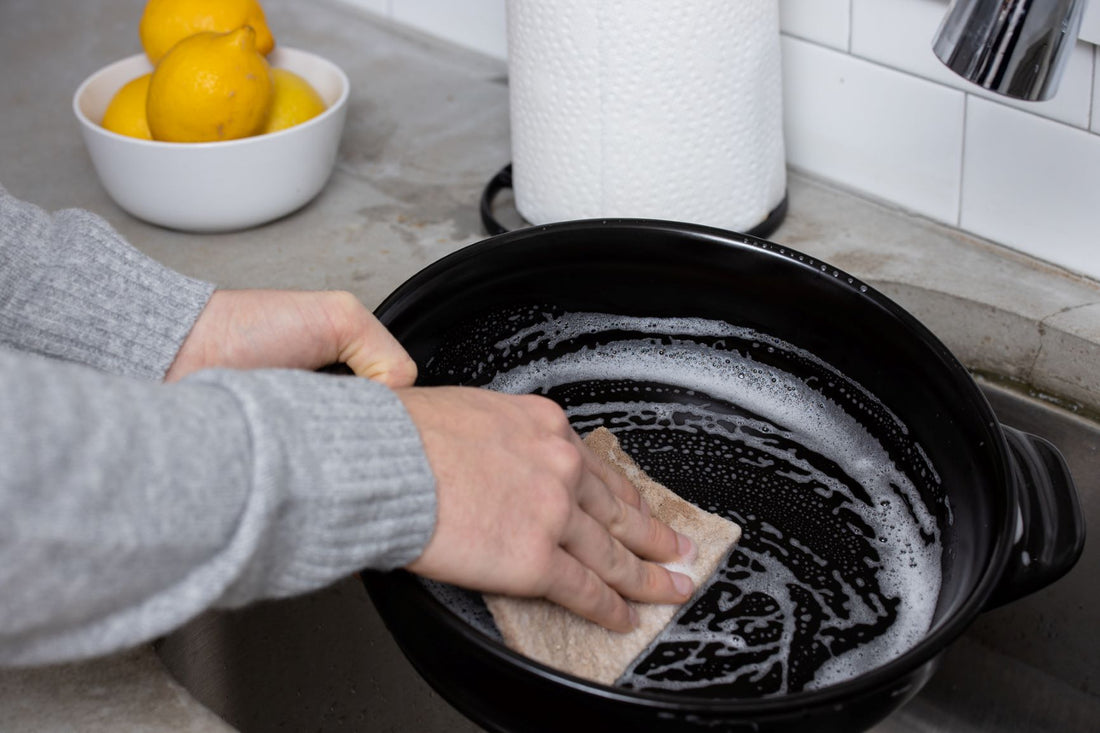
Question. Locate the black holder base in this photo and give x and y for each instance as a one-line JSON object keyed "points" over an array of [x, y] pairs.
{"points": [[503, 180]]}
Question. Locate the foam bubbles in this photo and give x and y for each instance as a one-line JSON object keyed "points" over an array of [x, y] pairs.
{"points": [[838, 568]]}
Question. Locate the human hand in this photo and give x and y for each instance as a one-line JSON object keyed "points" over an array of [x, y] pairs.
{"points": [[526, 509], [250, 329]]}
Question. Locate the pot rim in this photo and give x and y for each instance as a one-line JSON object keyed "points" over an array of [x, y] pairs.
{"points": [[926, 650]]}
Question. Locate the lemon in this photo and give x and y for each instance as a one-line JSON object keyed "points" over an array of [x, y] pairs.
{"points": [[295, 101], [210, 86], [126, 112], [164, 23]]}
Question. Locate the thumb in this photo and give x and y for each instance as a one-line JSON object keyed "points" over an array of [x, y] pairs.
{"points": [[371, 351]]}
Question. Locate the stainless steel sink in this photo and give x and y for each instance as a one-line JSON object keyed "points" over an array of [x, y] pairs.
{"points": [[325, 662]]}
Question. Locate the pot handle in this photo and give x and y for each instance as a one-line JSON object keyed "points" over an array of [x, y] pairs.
{"points": [[1050, 531]]}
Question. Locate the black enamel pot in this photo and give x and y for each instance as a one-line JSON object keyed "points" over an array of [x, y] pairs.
{"points": [[998, 507]]}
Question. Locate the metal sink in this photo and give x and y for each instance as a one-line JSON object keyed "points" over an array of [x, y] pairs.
{"points": [[325, 662]]}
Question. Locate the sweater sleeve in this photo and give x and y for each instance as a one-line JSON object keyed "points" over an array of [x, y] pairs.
{"points": [[73, 289], [128, 507]]}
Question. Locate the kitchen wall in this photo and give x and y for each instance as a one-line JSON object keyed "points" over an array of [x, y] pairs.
{"points": [[868, 106]]}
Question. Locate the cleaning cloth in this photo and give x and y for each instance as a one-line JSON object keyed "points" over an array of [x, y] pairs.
{"points": [[548, 633]]}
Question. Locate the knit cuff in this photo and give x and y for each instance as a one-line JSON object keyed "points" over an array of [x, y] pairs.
{"points": [[80, 293], [356, 487], [378, 504]]}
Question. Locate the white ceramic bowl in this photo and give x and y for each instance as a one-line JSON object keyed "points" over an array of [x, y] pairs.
{"points": [[220, 186]]}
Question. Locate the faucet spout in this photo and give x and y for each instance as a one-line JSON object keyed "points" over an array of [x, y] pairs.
{"points": [[1017, 48]]}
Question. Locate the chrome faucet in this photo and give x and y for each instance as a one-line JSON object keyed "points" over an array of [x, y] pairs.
{"points": [[1018, 48]]}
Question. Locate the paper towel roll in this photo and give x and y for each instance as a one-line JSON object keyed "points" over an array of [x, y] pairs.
{"points": [[646, 108]]}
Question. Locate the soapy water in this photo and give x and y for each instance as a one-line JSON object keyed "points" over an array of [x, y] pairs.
{"points": [[838, 567]]}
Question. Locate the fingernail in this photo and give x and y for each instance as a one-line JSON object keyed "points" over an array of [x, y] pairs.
{"points": [[686, 547], [683, 584], [635, 622]]}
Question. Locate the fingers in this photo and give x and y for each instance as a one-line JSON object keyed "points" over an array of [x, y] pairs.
{"points": [[591, 544], [614, 502], [578, 588], [384, 360], [369, 349], [614, 480], [608, 535]]}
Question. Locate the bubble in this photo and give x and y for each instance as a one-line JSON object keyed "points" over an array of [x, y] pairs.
{"points": [[838, 568]]}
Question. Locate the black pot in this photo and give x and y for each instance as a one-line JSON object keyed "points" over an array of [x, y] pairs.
{"points": [[1005, 507]]}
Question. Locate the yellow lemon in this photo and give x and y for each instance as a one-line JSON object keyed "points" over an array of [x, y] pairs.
{"points": [[164, 23], [126, 112], [210, 86], [295, 101]]}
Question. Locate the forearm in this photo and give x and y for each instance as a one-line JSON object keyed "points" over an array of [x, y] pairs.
{"points": [[128, 507], [73, 289]]}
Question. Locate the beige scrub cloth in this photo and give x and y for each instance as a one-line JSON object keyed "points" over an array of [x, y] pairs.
{"points": [[550, 634]]}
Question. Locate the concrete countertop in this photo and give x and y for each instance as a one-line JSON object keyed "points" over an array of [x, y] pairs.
{"points": [[427, 128]]}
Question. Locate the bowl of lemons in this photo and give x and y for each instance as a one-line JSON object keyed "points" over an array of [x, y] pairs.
{"points": [[213, 127]]}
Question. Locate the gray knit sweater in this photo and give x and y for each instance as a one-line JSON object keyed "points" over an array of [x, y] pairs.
{"points": [[128, 506]]}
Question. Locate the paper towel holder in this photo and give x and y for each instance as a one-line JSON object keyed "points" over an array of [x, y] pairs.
{"points": [[503, 180]]}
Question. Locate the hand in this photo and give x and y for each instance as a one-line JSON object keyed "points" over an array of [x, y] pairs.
{"points": [[250, 329], [526, 509]]}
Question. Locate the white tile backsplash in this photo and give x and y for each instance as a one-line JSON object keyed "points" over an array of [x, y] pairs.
{"points": [[1032, 185], [892, 135], [868, 105], [475, 24], [821, 21], [898, 33], [1090, 24]]}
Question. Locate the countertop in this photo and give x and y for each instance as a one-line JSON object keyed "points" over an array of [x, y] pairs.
{"points": [[427, 128]]}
